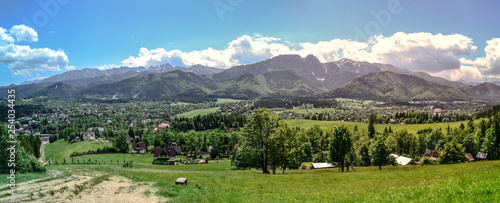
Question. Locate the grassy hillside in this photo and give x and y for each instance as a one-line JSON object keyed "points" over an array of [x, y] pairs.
{"points": [[148, 86], [329, 125], [283, 83], [388, 86], [219, 182], [193, 113], [62, 149]]}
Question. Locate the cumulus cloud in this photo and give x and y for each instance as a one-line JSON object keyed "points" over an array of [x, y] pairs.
{"points": [[438, 54], [423, 51], [483, 68], [24, 60], [24, 33], [5, 38], [416, 51]]}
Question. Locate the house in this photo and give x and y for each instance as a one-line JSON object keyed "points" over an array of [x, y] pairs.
{"points": [[437, 112], [401, 160], [87, 135], [45, 138], [178, 150], [138, 148], [480, 156], [165, 156], [470, 157], [392, 121], [162, 127]]}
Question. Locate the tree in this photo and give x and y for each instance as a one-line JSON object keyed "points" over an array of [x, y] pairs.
{"points": [[371, 127], [341, 145], [452, 153], [364, 153], [260, 128], [121, 142], [488, 145], [380, 154]]}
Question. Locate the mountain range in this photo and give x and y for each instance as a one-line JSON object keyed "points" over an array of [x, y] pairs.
{"points": [[277, 77]]}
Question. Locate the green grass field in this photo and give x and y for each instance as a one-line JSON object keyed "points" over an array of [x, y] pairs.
{"points": [[193, 113], [329, 125], [225, 101], [62, 149], [220, 182]]}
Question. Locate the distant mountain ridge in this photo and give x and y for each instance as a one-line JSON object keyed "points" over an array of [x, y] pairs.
{"points": [[93, 77], [278, 77], [389, 86]]}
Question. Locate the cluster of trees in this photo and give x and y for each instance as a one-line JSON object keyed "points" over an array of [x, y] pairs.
{"points": [[219, 143], [267, 142], [209, 121], [31, 144], [266, 139], [24, 161], [422, 117]]}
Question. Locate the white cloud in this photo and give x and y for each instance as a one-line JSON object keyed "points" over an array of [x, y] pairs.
{"points": [[423, 51], [490, 64], [438, 54], [22, 59], [24, 33], [106, 67], [466, 61], [5, 38], [416, 51]]}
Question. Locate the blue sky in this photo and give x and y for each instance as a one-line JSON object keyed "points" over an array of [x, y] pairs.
{"points": [[74, 34]]}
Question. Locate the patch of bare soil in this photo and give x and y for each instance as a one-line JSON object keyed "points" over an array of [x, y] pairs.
{"points": [[84, 186]]}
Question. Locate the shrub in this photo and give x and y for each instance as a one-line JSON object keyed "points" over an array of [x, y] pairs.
{"points": [[425, 161]]}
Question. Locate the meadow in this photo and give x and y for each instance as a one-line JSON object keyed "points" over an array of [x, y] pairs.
{"points": [[218, 181], [193, 113], [329, 125]]}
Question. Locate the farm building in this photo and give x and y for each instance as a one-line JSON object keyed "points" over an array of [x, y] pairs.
{"points": [[164, 156], [178, 150], [87, 135], [138, 148]]}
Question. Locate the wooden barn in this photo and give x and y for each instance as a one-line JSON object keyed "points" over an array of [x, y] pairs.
{"points": [[165, 156], [138, 148]]}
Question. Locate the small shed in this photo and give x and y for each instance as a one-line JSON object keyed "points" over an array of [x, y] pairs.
{"points": [[429, 152], [480, 156], [401, 160], [181, 181], [470, 157], [322, 165]]}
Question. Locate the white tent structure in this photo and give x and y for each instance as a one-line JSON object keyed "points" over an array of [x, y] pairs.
{"points": [[322, 165], [401, 160]]}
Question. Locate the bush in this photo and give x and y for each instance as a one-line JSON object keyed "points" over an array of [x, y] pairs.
{"points": [[320, 157], [425, 161]]}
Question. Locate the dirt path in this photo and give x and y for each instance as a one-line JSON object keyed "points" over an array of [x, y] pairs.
{"points": [[84, 186], [42, 155]]}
